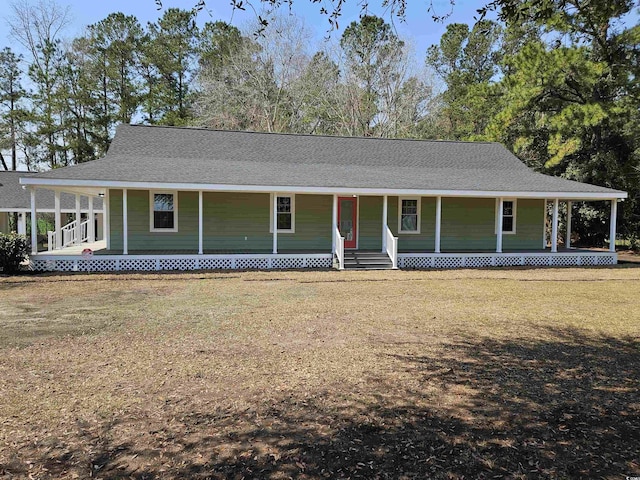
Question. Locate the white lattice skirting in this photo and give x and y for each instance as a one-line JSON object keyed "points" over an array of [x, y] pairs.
{"points": [[118, 263], [481, 260]]}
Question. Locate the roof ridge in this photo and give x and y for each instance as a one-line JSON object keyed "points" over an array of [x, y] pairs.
{"points": [[293, 134]]}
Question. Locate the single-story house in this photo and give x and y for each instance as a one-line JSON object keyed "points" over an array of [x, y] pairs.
{"points": [[15, 202], [189, 198]]}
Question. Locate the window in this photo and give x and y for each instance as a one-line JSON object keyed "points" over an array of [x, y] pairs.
{"points": [[164, 211], [508, 216], [286, 221], [409, 215]]}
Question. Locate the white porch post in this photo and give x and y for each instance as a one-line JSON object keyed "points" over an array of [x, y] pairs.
{"points": [[554, 228], [57, 220], [438, 223], [200, 222], [567, 242], [34, 223], [22, 223], [612, 225], [275, 223], [78, 221], [105, 219], [385, 208], [544, 225], [499, 229], [125, 226], [334, 223], [91, 226]]}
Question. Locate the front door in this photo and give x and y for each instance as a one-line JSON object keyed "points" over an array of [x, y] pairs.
{"points": [[347, 220]]}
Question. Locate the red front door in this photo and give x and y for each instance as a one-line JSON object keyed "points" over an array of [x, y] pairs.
{"points": [[347, 220]]}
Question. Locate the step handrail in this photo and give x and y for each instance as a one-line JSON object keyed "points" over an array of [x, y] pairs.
{"points": [[338, 241], [68, 235], [391, 244]]}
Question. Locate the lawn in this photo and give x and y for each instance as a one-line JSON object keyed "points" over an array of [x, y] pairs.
{"points": [[503, 373]]}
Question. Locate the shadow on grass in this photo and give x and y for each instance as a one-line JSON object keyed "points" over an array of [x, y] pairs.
{"points": [[565, 407]]}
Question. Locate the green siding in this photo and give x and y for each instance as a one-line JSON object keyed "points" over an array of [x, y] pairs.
{"points": [[4, 222], [370, 223], [234, 222], [313, 224], [468, 224], [415, 242], [239, 222], [529, 220], [140, 238], [115, 219]]}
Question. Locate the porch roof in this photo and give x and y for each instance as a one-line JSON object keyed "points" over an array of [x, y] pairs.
{"points": [[14, 198], [191, 157]]}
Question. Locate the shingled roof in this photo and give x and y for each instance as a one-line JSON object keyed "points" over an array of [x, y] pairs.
{"points": [[13, 197], [172, 155]]}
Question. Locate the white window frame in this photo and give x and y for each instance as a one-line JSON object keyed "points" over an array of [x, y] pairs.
{"points": [[292, 196], [418, 220], [515, 211], [151, 210]]}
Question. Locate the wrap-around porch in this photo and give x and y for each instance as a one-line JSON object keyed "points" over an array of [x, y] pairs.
{"points": [[412, 232]]}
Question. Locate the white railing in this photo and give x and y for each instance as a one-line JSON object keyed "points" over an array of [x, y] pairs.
{"points": [[391, 244], [338, 240], [69, 235]]}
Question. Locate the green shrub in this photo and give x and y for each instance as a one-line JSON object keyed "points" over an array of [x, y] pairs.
{"points": [[13, 251]]}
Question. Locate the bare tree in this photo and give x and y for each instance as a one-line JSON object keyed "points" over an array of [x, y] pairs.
{"points": [[252, 89], [38, 27]]}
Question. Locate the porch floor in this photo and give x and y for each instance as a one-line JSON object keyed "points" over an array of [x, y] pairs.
{"points": [[100, 248]]}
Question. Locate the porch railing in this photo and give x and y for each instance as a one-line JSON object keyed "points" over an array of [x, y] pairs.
{"points": [[391, 244], [338, 240], [68, 235]]}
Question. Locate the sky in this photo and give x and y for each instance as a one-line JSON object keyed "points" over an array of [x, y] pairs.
{"points": [[419, 28]]}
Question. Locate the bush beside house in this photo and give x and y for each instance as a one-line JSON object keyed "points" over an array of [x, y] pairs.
{"points": [[13, 251]]}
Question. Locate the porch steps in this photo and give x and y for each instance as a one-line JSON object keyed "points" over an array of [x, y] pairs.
{"points": [[367, 261]]}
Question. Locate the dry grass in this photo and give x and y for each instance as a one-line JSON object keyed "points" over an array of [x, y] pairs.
{"points": [[453, 374]]}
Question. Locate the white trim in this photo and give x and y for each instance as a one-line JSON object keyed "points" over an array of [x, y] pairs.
{"points": [[273, 204], [91, 226], [612, 225], [515, 213], [78, 218], [544, 224], [152, 228], [357, 222], [46, 210], [597, 253], [273, 220], [178, 256], [34, 222], [567, 241], [554, 227], [418, 216], [106, 219], [499, 222], [334, 222], [49, 261], [22, 223], [438, 233], [321, 190], [200, 222], [125, 222], [385, 217], [57, 217]]}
